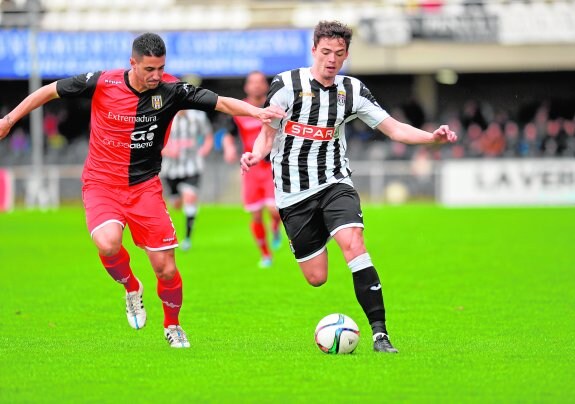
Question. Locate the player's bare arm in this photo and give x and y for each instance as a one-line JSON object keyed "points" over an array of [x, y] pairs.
{"points": [[30, 103], [404, 133], [235, 107], [262, 147], [207, 146]]}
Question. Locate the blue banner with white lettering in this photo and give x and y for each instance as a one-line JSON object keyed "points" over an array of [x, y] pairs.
{"points": [[208, 54]]}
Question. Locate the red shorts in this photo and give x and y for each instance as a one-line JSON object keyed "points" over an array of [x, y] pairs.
{"points": [[141, 207], [258, 187]]}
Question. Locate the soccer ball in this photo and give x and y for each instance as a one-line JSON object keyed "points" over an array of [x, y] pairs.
{"points": [[337, 334]]}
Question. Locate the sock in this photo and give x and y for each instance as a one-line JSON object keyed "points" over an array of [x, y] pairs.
{"points": [[190, 211], [259, 232], [189, 225], [368, 291], [118, 266], [170, 293]]}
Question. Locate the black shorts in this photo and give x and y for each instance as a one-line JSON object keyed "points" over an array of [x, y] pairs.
{"points": [[310, 223], [174, 185]]}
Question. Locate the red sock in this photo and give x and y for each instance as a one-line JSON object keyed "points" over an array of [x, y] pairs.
{"points": [[118, 266], [259, 232], [170, 293]]}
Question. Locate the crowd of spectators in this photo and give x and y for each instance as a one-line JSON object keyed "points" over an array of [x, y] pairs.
{"points": [[535, 131]]}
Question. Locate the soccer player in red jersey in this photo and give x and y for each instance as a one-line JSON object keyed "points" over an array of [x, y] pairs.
{"points": [[131, 114], [257, 184]]}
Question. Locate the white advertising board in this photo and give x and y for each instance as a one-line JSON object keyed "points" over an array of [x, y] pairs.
{"points": [[507, 182]]}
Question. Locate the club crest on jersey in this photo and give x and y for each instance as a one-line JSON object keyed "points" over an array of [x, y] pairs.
{"points": [[157, 101], [341, 98]]}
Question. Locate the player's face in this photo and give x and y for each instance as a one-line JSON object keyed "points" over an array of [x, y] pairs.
{"points": [[329, 55], [148, 71], [256, 85]]}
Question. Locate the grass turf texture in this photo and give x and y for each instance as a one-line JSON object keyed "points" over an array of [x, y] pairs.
{"points": [[481, 305]]}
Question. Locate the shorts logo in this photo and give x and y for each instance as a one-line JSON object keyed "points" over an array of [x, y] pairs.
{"points": [[291, 247], [341, 98], [157, 101], [309, 131]]}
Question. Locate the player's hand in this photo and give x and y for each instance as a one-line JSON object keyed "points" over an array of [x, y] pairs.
{"points": [[5, 127], [444, 135], [248, 160], [268, 114]]}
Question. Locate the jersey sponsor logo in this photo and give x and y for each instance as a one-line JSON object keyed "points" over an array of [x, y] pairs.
{"points": [[157, 101], [341, 98], [141, 139], [132, 118], [142, 135], [306, 94], [112, 81], [309, 131]]}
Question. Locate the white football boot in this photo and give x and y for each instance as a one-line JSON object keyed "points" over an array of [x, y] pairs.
{"points": [[176, 337], [135, 310]]}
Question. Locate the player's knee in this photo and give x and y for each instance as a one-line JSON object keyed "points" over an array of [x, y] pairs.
{"points": [[165, 270], [165, 274], [109, 249], [316, 280], [353, 247]]}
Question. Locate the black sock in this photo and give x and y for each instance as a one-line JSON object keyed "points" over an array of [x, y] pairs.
{"points": [[189, 225], [370, 297]]}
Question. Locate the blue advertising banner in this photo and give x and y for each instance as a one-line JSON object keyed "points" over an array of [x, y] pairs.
{"points": [[208, 54]]}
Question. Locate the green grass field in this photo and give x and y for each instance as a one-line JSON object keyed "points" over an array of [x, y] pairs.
{"points": [[481, 305]]}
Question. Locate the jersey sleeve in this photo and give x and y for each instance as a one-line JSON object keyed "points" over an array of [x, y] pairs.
{"points": [[80, 86], [277, 95], [190, 97], [368, 110]]}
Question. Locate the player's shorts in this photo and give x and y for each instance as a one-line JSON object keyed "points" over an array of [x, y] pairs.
{"points": [[310, 224], [176, 186], [258, 187], [141, 207]]}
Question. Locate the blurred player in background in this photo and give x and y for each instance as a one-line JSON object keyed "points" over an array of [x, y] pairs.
{"points": [[130, 119], [191, 139], [257, 185], [314, 191]]}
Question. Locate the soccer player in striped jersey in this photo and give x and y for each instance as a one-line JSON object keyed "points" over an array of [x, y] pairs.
{"points": [[191, 139], [257, 185], [131, 114], [314, 191]]}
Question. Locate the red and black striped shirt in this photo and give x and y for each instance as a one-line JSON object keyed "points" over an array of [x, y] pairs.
{"points": [[129, 129]]}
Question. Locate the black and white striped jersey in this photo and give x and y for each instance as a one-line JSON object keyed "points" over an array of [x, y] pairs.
{"points": [[308, 152], [180, 156]]}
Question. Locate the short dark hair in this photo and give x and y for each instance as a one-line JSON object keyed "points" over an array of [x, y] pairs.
{"points": [[148, 44], [332, 29]]}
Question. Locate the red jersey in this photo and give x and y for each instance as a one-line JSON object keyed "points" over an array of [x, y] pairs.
{"points": [[128, 129], [248, 129]]}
